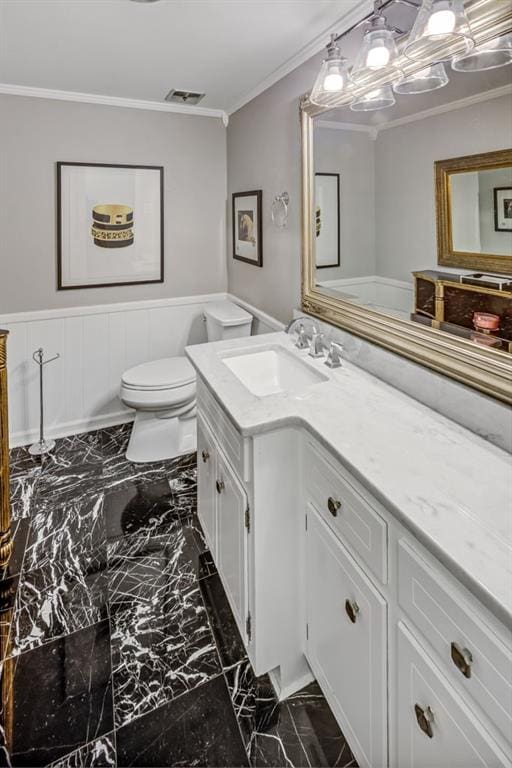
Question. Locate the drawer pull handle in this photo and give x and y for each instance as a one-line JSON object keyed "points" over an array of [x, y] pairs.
{"points": [[219, 484], [352, 609], [333, 505], [462, 658], [425, 718], [205, 456]]}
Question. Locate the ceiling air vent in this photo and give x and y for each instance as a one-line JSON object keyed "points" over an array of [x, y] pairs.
{"points": [[184, 97]]}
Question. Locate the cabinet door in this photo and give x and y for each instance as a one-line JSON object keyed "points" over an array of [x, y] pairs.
{"points": [[232, 539], [346, 645], [435, 727], [206, 476]]}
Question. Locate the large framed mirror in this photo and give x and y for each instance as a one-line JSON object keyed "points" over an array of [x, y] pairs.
{"points": [[425, 203]]}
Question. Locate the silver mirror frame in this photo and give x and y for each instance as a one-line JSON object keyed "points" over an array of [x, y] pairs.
{"points": [[487, 370]]}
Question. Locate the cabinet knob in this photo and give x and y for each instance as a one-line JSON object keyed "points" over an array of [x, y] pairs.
{"points": [[352, 609], [462, 658], [333, 505], [219, 484], [425, 718], [205, 456]]}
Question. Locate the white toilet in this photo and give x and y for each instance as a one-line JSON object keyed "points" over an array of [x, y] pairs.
{"points": [[163, 392]]}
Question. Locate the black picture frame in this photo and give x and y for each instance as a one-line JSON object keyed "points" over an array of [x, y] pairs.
{"points": [[59, 166], [497, 228], [258, 193], [338, 225]]}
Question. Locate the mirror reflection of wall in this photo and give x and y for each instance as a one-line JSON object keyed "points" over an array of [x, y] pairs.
{"points": [[387, 205]]}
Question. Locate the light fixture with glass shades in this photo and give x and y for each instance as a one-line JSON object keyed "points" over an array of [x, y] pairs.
{"points": [[495, 53], [429, 79], [471, 37], [439, 22], [378, 98], [332, 77], [378, 52]]}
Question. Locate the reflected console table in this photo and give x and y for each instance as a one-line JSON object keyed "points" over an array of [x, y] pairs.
{"points": [[448, 301]]}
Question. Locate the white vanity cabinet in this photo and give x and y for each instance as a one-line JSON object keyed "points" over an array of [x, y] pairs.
{"points": [[326, 582], [346, 639], [222, 511]]}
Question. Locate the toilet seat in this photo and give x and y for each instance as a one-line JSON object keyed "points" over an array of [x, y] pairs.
{"points": [[159, 375]]}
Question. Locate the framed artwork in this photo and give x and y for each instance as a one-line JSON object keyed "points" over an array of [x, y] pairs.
{"points": [[327, 220], [247, 229], [110, 225], [503, 209]]}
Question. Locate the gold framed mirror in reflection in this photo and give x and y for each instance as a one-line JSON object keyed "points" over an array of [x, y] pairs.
{"points": [[474, 211], [390, 284]]}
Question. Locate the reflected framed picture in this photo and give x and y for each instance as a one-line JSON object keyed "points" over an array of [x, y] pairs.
{"points": [[327, 220], [247, 227], [110, 225], [503, 209]]}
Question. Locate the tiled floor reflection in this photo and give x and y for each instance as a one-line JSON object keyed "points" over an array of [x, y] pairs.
{"points": [[119, 644]]}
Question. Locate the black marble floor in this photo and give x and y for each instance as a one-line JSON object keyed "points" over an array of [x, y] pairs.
{"points": [[118, 643]]}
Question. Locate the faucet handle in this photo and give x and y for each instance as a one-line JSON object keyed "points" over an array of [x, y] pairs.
{"points": [[334, 355], [302, 340], [316, 348]]}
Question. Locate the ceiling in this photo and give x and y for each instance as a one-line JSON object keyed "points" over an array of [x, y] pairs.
{"points": [[229, 49]]}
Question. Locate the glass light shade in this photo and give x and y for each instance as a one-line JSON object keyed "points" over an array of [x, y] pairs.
{"points": [[332, 78], [429, 79], [378, 53], [378, 98], [439, 23], [495, 53]]}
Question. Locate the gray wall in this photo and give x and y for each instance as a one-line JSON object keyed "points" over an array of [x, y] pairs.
{"points": [[264, 153], [36, 133], [404, 178], [492, 241], [352, 155]]}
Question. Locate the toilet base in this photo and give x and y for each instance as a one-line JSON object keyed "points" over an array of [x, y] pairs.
{"points": [[156, 438]]}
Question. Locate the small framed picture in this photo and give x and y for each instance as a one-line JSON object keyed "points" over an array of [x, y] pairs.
{"points": [[503, 209], [110, 225], [247, 228], [327, 220]]}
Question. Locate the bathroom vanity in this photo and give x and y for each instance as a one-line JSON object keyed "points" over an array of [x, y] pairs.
{"points": [[358, 545]]}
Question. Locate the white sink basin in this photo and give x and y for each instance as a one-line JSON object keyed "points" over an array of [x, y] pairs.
{"points": [[273, 370]]}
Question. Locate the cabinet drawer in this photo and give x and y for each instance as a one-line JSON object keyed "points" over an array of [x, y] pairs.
{"points": [[440, 612], [354, 519], [233, 444], [435, 728], [346, 644]]}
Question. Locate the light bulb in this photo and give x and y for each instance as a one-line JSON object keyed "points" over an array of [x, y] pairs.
{"points": [[441, 23], [333, 81], [377, 57]]}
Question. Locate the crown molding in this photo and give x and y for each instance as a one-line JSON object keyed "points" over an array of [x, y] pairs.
{"points": [[494, 93], [358, 10], [334, 125], [111, 101], [374, 130]]}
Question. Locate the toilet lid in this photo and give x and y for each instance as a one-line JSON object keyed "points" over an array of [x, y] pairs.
{"points": [[167, 373]]}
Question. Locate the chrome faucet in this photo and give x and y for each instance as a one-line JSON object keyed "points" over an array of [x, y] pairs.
{"points": [[316, 348], [334, 355], [302, 338]]}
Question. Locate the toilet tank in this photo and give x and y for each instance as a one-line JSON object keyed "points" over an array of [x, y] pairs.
{"points": [[225, 320]]}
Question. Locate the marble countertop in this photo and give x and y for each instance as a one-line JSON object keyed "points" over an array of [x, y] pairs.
{"points": [[451, 488]]}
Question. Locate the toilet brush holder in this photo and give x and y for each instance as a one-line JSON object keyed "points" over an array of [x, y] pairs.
{"points": [[42, 446]]}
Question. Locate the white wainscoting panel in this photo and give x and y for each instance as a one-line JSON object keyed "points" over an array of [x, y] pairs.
{"points": [[96, 344], [382, 293]]}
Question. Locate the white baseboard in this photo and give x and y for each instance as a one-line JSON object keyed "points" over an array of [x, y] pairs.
{"points": [[288, 690], [73, 428]]}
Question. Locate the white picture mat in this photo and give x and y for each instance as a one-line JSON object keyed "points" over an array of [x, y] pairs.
{"points": [[326, 244], [243, 248], [85, 263]]}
